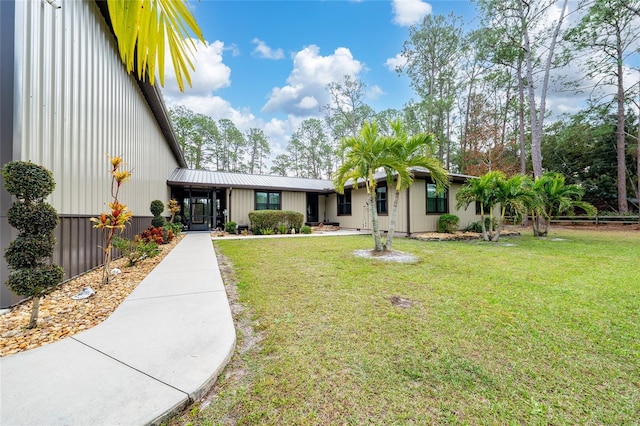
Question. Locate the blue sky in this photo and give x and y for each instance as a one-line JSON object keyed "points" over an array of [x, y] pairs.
{"points": [[267, 62]]}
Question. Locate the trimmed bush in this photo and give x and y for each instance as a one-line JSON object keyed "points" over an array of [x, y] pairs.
{"points": [[305, 229], [448, 223], [271, 220], [156, 207], [158, 222], [29, 254], [27, 181], [231, 227]]}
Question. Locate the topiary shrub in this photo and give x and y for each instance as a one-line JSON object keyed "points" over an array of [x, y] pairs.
{"points": [[231, 227], [448, 223], [305, 229], [28, 255], [156, 208]]}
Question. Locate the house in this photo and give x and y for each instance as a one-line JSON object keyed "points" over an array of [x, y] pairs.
{"points": [[66, 102], [209, 199]]}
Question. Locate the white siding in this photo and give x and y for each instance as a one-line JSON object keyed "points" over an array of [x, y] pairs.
{"points": [[76, 104]]}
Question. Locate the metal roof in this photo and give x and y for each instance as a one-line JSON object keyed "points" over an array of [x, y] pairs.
{"points": [[206, 178]]}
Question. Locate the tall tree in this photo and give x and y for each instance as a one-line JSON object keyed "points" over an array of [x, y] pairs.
{"points": [[310, 149], [281, 165], [609, 31], [196, 134], [347, 111], [433, 54], [231, 147], [363, 156], [144, 28], [258, 149]]}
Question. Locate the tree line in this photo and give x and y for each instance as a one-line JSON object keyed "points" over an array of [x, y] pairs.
{"points": [[483, 94]]}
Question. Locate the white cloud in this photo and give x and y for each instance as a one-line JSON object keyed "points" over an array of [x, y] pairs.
{"points": [[264, 51], [210, 73], [374, 92], [308, 102], [409, 12], [310, 75], [396, 62]]}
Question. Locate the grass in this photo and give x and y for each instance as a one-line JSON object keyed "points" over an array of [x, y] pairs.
{"points": [[543, 332]]}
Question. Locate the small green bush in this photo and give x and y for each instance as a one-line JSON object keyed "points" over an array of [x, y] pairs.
{"points": [[158, 221], [283, 229], [27, 251], [175, 227], [156, 207], [474, 227], [33, 218], [305, 229], [448, 223], [231, 227], [137, 249]]}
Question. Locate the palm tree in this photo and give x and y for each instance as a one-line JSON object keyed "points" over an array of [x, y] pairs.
{"points": [[404, 153], [483, 190], [553, 198], [514, 195], [144, 27], [363, 156]]}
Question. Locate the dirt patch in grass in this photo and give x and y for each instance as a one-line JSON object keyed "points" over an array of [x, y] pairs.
{"points": [[387, 256]]}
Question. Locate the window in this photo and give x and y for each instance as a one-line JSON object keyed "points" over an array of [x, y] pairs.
{"points": [[344, 203], [267, 200], [436, 203], [381, 199]]}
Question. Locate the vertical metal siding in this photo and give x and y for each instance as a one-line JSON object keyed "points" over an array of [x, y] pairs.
{"points": [[294, 201], [242, 203], [79, 105]]}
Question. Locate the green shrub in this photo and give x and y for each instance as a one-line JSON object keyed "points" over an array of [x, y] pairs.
{"points": [[158, 222], [137, 249], [28, 255], [272, 219], [474, 227], [156, 207], [231, 227], [305, 229], [282, 228], [27, 181], [448, 223], [268, 231], [33, 218], [175, 227]]}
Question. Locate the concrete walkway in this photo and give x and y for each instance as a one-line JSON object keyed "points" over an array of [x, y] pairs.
{"points": [[160, 350]]}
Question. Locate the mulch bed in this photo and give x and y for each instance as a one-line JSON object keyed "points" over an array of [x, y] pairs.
{"points": [[459, 235], [60, 316]]}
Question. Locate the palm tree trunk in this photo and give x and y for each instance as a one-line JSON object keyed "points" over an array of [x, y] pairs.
{"points": [[485, 237], [392, 221], [375, 229], [35, 309], [496, 236]]}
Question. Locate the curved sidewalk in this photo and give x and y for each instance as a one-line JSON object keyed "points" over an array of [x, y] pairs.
{"points": [[160, 350]]}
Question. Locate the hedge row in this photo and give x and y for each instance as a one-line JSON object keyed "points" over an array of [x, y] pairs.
{"points": [[271, 220]]}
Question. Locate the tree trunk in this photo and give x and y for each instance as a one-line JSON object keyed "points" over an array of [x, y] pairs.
{"points": [[496, 236], [620, 145], [392, 221], [35, 309], [638, 156], [375, 229], [523, 149], [485, 237]]}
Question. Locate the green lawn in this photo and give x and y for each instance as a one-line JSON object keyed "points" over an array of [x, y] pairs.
{"points": [[543, 332]]}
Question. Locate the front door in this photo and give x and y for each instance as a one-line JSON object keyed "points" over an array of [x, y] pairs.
{"points": [[312, 207]]}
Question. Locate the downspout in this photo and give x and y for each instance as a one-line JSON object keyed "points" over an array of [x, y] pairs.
{"points": [[229, 208], [408, 212]]}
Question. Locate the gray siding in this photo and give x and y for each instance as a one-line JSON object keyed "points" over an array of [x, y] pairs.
{"points": [[77, 104], [67, 102]]}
